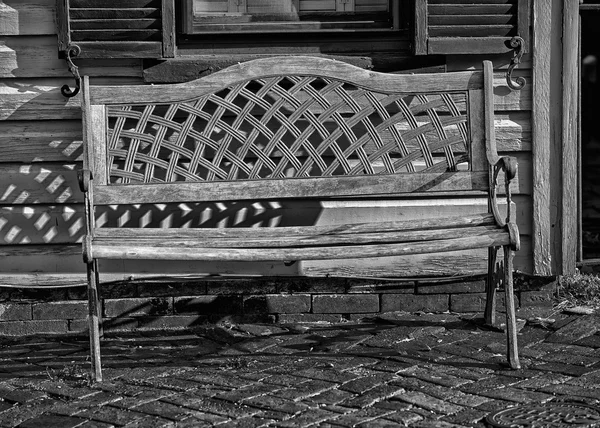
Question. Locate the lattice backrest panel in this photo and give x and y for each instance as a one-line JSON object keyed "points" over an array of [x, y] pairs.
{"points": [[288, 126]]}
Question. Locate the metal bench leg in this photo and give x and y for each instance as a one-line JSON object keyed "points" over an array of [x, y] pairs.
{"points": [[511, 319], [489, 316], [98, 305], [94, 318]]}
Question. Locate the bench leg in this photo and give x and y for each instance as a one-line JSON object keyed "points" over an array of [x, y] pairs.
{"points": [[94, 319], [511, 319], [490, 286], [98, 305]]}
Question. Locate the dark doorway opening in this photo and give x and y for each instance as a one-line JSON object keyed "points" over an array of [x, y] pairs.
{"points": [[590, 132]]}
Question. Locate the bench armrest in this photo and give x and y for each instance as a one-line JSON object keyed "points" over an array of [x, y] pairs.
{"points": [[509, 166], [84, 176], [85, 185]]}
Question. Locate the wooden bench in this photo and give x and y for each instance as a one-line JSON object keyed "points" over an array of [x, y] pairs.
{"points": [[297, 127]]}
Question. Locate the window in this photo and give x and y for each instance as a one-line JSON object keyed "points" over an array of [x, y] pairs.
{"points": [[249, 16]]}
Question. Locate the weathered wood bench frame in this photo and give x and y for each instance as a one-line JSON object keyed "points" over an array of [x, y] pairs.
{"points": [[341, 131]]}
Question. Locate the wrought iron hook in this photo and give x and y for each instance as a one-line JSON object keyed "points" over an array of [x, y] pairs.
{"points": [[72, 51], [517, 43]]}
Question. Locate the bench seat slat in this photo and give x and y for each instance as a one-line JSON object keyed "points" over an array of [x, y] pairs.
{"points": [[135, 251], [290, 188], [106, 233], [306, 240]]}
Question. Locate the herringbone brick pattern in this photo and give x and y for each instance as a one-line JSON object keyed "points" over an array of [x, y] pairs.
{"points": [[401, 370]]}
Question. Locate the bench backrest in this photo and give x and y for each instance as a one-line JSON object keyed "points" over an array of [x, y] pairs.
{"points": [[312, 127]]}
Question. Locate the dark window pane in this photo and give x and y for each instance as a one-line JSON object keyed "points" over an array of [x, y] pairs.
{"points": [[233, 16]]}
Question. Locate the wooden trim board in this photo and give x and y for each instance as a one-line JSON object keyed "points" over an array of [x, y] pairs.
{"points": [[570, 91], [541, 140]]}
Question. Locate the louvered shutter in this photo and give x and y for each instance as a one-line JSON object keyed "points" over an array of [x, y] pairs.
{"points": [[117, 29], [469, 26]]}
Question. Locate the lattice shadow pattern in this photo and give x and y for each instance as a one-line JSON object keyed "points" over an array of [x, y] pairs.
{"points": [[286, 127]]}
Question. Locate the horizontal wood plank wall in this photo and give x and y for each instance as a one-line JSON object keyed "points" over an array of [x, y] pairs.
{"points": [[27, 17], [41, 215]]}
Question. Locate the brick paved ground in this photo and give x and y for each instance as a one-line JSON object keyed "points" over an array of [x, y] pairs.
{"points": [[395, 370]]}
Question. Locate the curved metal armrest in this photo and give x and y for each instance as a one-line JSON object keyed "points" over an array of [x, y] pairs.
{"points": [[85, 184], [85, 178], [509, 166]]}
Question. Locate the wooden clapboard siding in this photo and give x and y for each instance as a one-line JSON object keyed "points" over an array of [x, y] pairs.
{"points": [[40, 133], [27, 17], [473, 62], [513, 131], [507, 100], [33, 250], [513, 109], [28, 141], [36, 99], [55, 260], [30, 56], [61, 224], [40, 260], [36, 56], [41, 99], [39, 183]]}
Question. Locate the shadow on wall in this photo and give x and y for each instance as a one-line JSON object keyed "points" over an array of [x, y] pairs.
{"points": [[213, 214], [64, 224], [39, 99]]}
